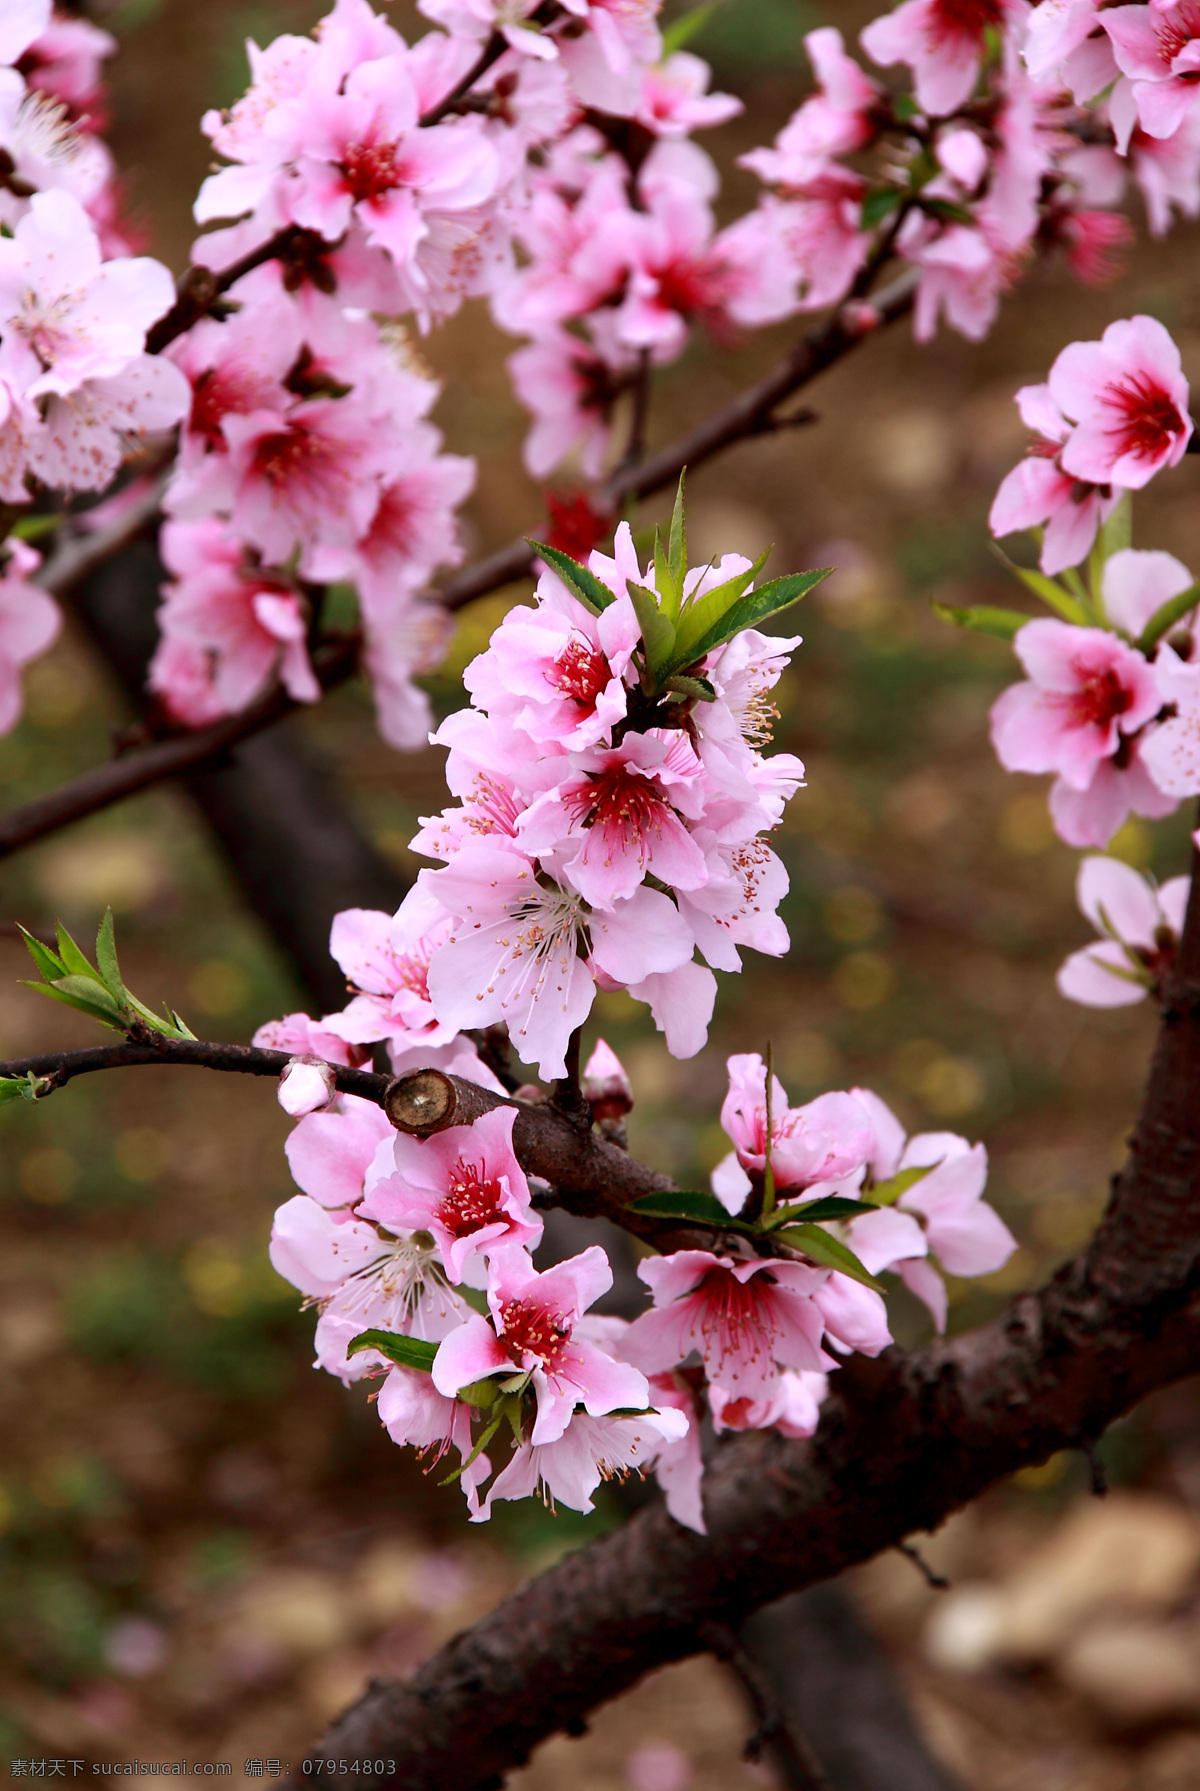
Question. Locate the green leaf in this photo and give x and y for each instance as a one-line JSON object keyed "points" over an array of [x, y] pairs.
{"points": [[73, 959], [682, 1203], [106, 959], [757, 606], [586, 586], [879, 204], [682, 30], [888, 1193], [669, 593], [699, 689], [1166, 616], [409, 1352], [833, 1206], [677, 542], [13, 1088], [86, 994], [1048, 589], [829, 1251], [981, 617], [703, 612], [50, 965], [905, 106], [658, 632], [1117, 533]]}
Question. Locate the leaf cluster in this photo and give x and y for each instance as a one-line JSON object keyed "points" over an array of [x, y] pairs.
{"points": [[96, 990], [680, 629]]}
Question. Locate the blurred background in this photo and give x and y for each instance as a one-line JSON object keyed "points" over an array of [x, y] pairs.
{"points": [[206, 1548]]}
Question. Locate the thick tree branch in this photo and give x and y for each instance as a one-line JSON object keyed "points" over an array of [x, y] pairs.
{"points": [[903, 1442]]}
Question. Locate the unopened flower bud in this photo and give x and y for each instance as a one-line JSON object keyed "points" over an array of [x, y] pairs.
{"points": [[305, 1086], [861, 317], [606, 1087]]}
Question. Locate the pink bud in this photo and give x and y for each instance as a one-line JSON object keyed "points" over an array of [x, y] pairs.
{"points": [[305, 1086], [606, 1087], [861, 317]]}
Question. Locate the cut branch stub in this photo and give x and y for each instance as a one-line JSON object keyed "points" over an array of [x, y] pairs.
{"points": [[427, 1101]]}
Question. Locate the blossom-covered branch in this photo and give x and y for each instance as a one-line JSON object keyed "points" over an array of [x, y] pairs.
{"points": [[903, 1442]]}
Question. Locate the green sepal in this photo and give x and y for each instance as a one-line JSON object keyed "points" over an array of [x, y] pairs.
{"points": [[658, 631], [888, 1193], [1166, 616], [409, 1352], [829, 1251], [879, 204], [706, 612], [106, 960], [683, 1203], [481, 1394], [755, 607], [983, 619], [586, 586], [35, 528], [833, 1206], [477, 1451]]}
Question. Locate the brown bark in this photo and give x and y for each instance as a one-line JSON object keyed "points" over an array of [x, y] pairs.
{"points": [[903, 1442]]}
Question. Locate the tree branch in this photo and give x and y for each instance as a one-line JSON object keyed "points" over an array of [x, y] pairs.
{"points": [[333, 663], [748, 415], [903, 1442]]}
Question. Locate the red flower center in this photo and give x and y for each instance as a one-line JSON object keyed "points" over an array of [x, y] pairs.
{"points": [[1147, 417], [286, 454], [581, 672], [620, 803], [950, 21], [1176, 34], [1101, 697], [370, 170], [534, 1330], [737, 1314], [472, 1202]]}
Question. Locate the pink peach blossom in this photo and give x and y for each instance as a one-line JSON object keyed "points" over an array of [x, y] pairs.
{"points": [[1086, 690], [464, 1186], [1128, 399], [29, 624], [535, 1330], [1139, 926]]}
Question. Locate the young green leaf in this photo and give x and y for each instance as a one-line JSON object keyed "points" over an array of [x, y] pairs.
{"points": [[669, 592], [755, 607], [409, 1352], [829, 1251], [87, 994], [13, 1088], [73, 959], [1166, 616], [106, 959], [586, 586], [677, 542], [701, 1209], [888, 1193], [704, 611], [981, 617], [1048, 589], [879, 204], [698, 689], [682, 30], [48, 962], [658, 633], [833, 1206]]}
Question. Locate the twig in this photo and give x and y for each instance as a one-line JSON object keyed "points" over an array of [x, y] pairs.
{"points": [[492, 51], [640, 414], [74, 558], [748, 415], [1096, 1468], [57, 1068], [798, 1765], [937, 1581], [142, 768]]}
